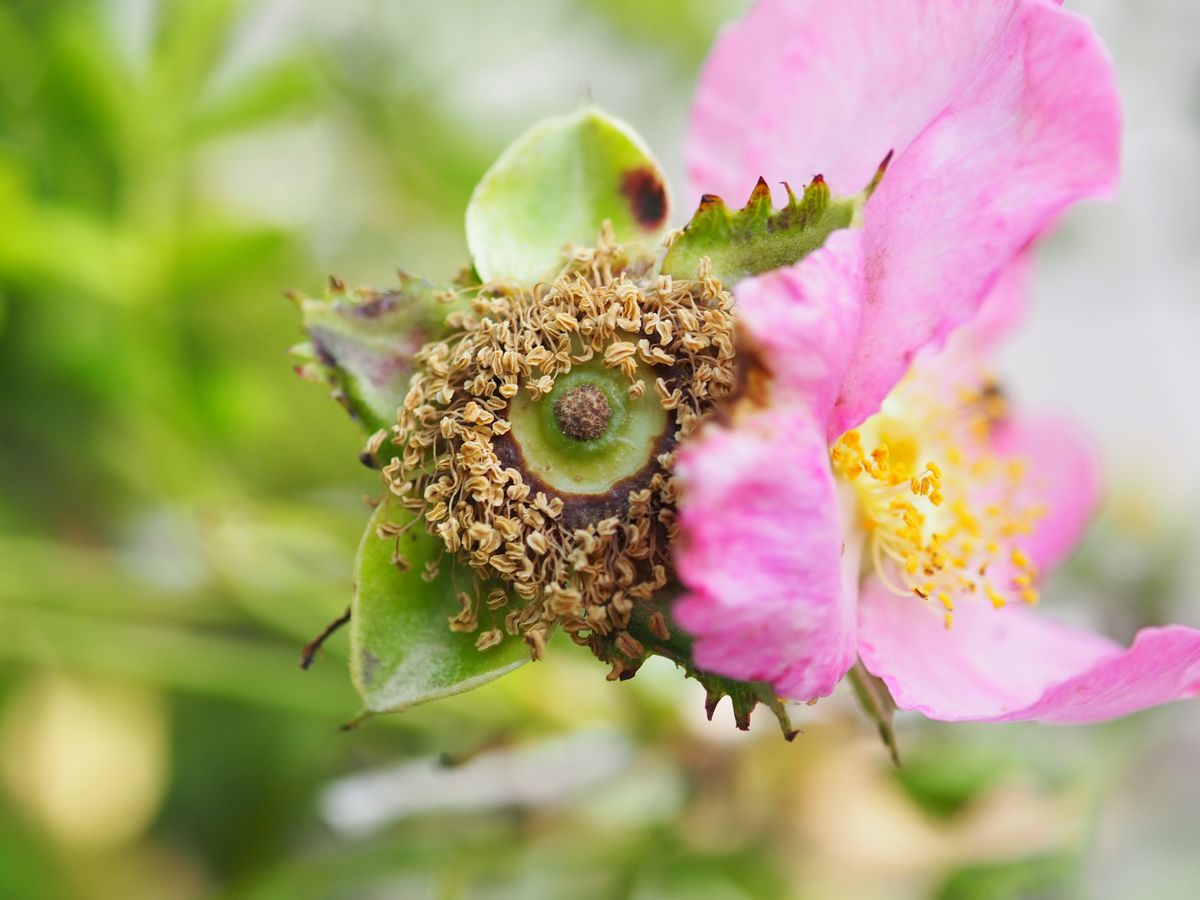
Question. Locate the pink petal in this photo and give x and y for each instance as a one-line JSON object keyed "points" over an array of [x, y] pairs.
{"points": [[802, 321], [1036, 132], [1013, 664], [999, 314], [800, 88], [1162, 665], [769, 597], [1001, 115], [1062, 476], [964, 362], [771, 587]]}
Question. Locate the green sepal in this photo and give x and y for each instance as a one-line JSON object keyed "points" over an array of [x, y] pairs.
{"points": [[759, 238], [402, 651], [362, 342], [556, 185], [677, 647], [876, 701]]}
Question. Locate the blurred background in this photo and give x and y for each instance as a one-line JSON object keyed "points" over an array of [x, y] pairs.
{"points": [[179, 512]]}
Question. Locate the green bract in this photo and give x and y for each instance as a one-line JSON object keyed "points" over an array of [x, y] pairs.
{"points": [[556, 185], [363, 342]]}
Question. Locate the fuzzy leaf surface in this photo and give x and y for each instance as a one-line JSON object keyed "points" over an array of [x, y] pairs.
{"points": [[402, 651]]}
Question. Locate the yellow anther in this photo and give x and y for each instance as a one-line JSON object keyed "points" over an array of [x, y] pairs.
{"points": [[929, 533], [1030, 596], [997, 600]]}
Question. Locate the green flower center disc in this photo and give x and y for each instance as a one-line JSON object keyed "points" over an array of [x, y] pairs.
{"points": [[565, 441]]}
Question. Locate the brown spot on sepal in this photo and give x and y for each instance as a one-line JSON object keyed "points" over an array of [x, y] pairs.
{"points": [[647, 196]]}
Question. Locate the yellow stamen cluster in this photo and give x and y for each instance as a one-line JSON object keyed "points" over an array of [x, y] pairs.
{"points": [[940, 534], [541, 557]]}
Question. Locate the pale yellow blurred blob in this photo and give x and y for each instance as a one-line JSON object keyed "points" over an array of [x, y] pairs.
{"points": [[866, 838], [86, 759]]}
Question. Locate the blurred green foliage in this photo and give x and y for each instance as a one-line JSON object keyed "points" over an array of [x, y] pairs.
{"points": [[178, 513]]}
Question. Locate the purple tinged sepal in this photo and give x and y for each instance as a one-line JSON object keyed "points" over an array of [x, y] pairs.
{"points": [[362, 341]]}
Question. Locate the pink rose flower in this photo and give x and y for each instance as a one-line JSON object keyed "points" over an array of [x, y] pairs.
{"points": [[871, 496]]}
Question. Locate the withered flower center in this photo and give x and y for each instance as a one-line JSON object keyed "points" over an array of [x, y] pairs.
{"points": [[583, 412], [538, 438]]}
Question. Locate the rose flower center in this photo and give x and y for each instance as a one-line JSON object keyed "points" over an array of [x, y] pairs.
{"points": [[940, 531]]}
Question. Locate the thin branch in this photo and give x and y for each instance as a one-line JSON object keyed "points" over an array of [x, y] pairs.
{"points": [[309, 653]]}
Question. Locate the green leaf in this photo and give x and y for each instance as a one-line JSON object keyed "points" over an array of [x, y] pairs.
{"points": [[402, 651], [944, 777], [556, 185], [1052, 875], [362, 342], [284, 88], [758, 238]]}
